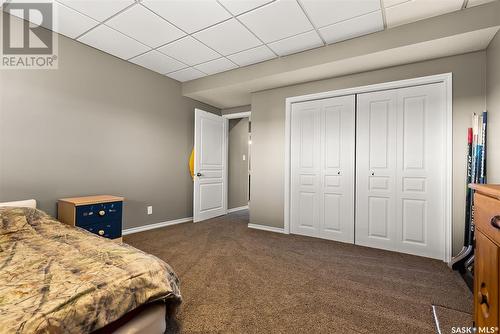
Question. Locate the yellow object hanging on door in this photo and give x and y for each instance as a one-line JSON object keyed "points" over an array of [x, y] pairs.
{"points": [[191, 164]]}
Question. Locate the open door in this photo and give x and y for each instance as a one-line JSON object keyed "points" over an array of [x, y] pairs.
{"points": [[210, 166]]}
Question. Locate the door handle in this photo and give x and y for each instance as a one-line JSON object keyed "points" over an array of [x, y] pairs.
{"points": [[372, 173], [495, 222], [199, 174]]}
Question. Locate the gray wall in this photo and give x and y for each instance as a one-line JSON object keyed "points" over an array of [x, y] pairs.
{"points": [[268, 129], [236, 110], [97, 125], [237, 168], [493, 104]]}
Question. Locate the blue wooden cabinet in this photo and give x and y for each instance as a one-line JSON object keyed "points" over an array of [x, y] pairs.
{"points": [[101, 215]]}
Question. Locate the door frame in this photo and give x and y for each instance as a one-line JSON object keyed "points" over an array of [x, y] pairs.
{"points": [[447, 80]]}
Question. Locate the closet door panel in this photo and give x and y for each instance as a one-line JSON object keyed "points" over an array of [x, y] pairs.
{"points": [[322, 168], [376, 169], [338, 145], [420, 178], [400, 174], [305, 176]]}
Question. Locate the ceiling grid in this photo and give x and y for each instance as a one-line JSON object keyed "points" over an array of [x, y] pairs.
{"points": [[186, 40]]}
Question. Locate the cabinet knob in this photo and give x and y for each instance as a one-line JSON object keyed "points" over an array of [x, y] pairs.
{"points": [[495, 222], [102, 213], [101, 232], [483, 299]]}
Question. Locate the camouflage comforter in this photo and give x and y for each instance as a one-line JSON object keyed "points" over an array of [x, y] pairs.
{"points": [[58, 279]]}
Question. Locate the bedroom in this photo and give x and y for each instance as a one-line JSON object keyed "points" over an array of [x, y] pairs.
{"points": [[111, 111]]}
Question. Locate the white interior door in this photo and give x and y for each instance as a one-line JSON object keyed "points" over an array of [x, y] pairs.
{"points": [[399, 170], [210, 166], [322, 168]]}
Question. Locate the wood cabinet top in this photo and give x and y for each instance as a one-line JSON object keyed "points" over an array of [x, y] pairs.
{"points": [[491, 190], [92, 199]]}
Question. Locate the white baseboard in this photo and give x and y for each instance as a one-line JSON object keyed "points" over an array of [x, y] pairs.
{"points": [[237, 209], [267, 228], [156, 225]]}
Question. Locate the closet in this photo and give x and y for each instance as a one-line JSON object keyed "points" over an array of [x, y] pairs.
{"points": [[369, 169]]}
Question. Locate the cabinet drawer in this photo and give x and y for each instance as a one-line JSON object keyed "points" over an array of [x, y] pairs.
{"points": [[485, 211], [98, 213], [109, 230], [486, 282]]}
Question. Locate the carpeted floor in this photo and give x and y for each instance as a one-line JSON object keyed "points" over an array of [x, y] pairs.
{"points": [[239, 280]]}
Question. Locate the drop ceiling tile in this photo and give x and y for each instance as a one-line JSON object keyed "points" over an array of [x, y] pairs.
{"points": [[228, 37], [252, 56], [113, 42], [356, 27], [71, 23], [216, 66], [67, 21], [98, 9], [416, 10], [323, 13], [191, 15], [158, 62], [305, 41], [189, 51], [240, 6], [145, 26], [186, 74], [473, 3], [277, 20]]}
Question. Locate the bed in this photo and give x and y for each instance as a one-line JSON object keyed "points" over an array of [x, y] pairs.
{"points": [[55, 278]]}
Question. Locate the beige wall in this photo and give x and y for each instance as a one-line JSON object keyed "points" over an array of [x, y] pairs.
{"points": [[97, 125], [238, 168], [493, 104], [268, 126]]}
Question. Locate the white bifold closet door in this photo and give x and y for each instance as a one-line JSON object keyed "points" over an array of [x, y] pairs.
{"points": [[322, 168], [399, 170]]}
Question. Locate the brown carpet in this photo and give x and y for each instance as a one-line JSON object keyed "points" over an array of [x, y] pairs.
{"points": [[239, 280], [449, 318]]}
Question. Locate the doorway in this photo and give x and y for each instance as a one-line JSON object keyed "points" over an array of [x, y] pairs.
{"points": [[222, 153], [239, 161]]}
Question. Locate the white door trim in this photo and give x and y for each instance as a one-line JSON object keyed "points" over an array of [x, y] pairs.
{"points": [[238, 115], [446, 78]]}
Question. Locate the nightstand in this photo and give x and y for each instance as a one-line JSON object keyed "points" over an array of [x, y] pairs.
{"points": [[101, 215]]}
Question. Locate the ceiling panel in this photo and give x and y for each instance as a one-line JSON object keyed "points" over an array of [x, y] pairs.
{"points": [[71, 23], [216, 66], [158, 62], [228, 37], [67, 21], [305, 41], [186, 74], [359, 26], [324, 13], [113, 42], [98, 9], [277, 20], [415, 10], [472, 3], [191, 15], [240, 6], [145, 26], [189, 50], [252, 56]]}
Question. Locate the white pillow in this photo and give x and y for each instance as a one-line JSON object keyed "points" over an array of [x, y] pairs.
{"points": [[29, 203]]}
